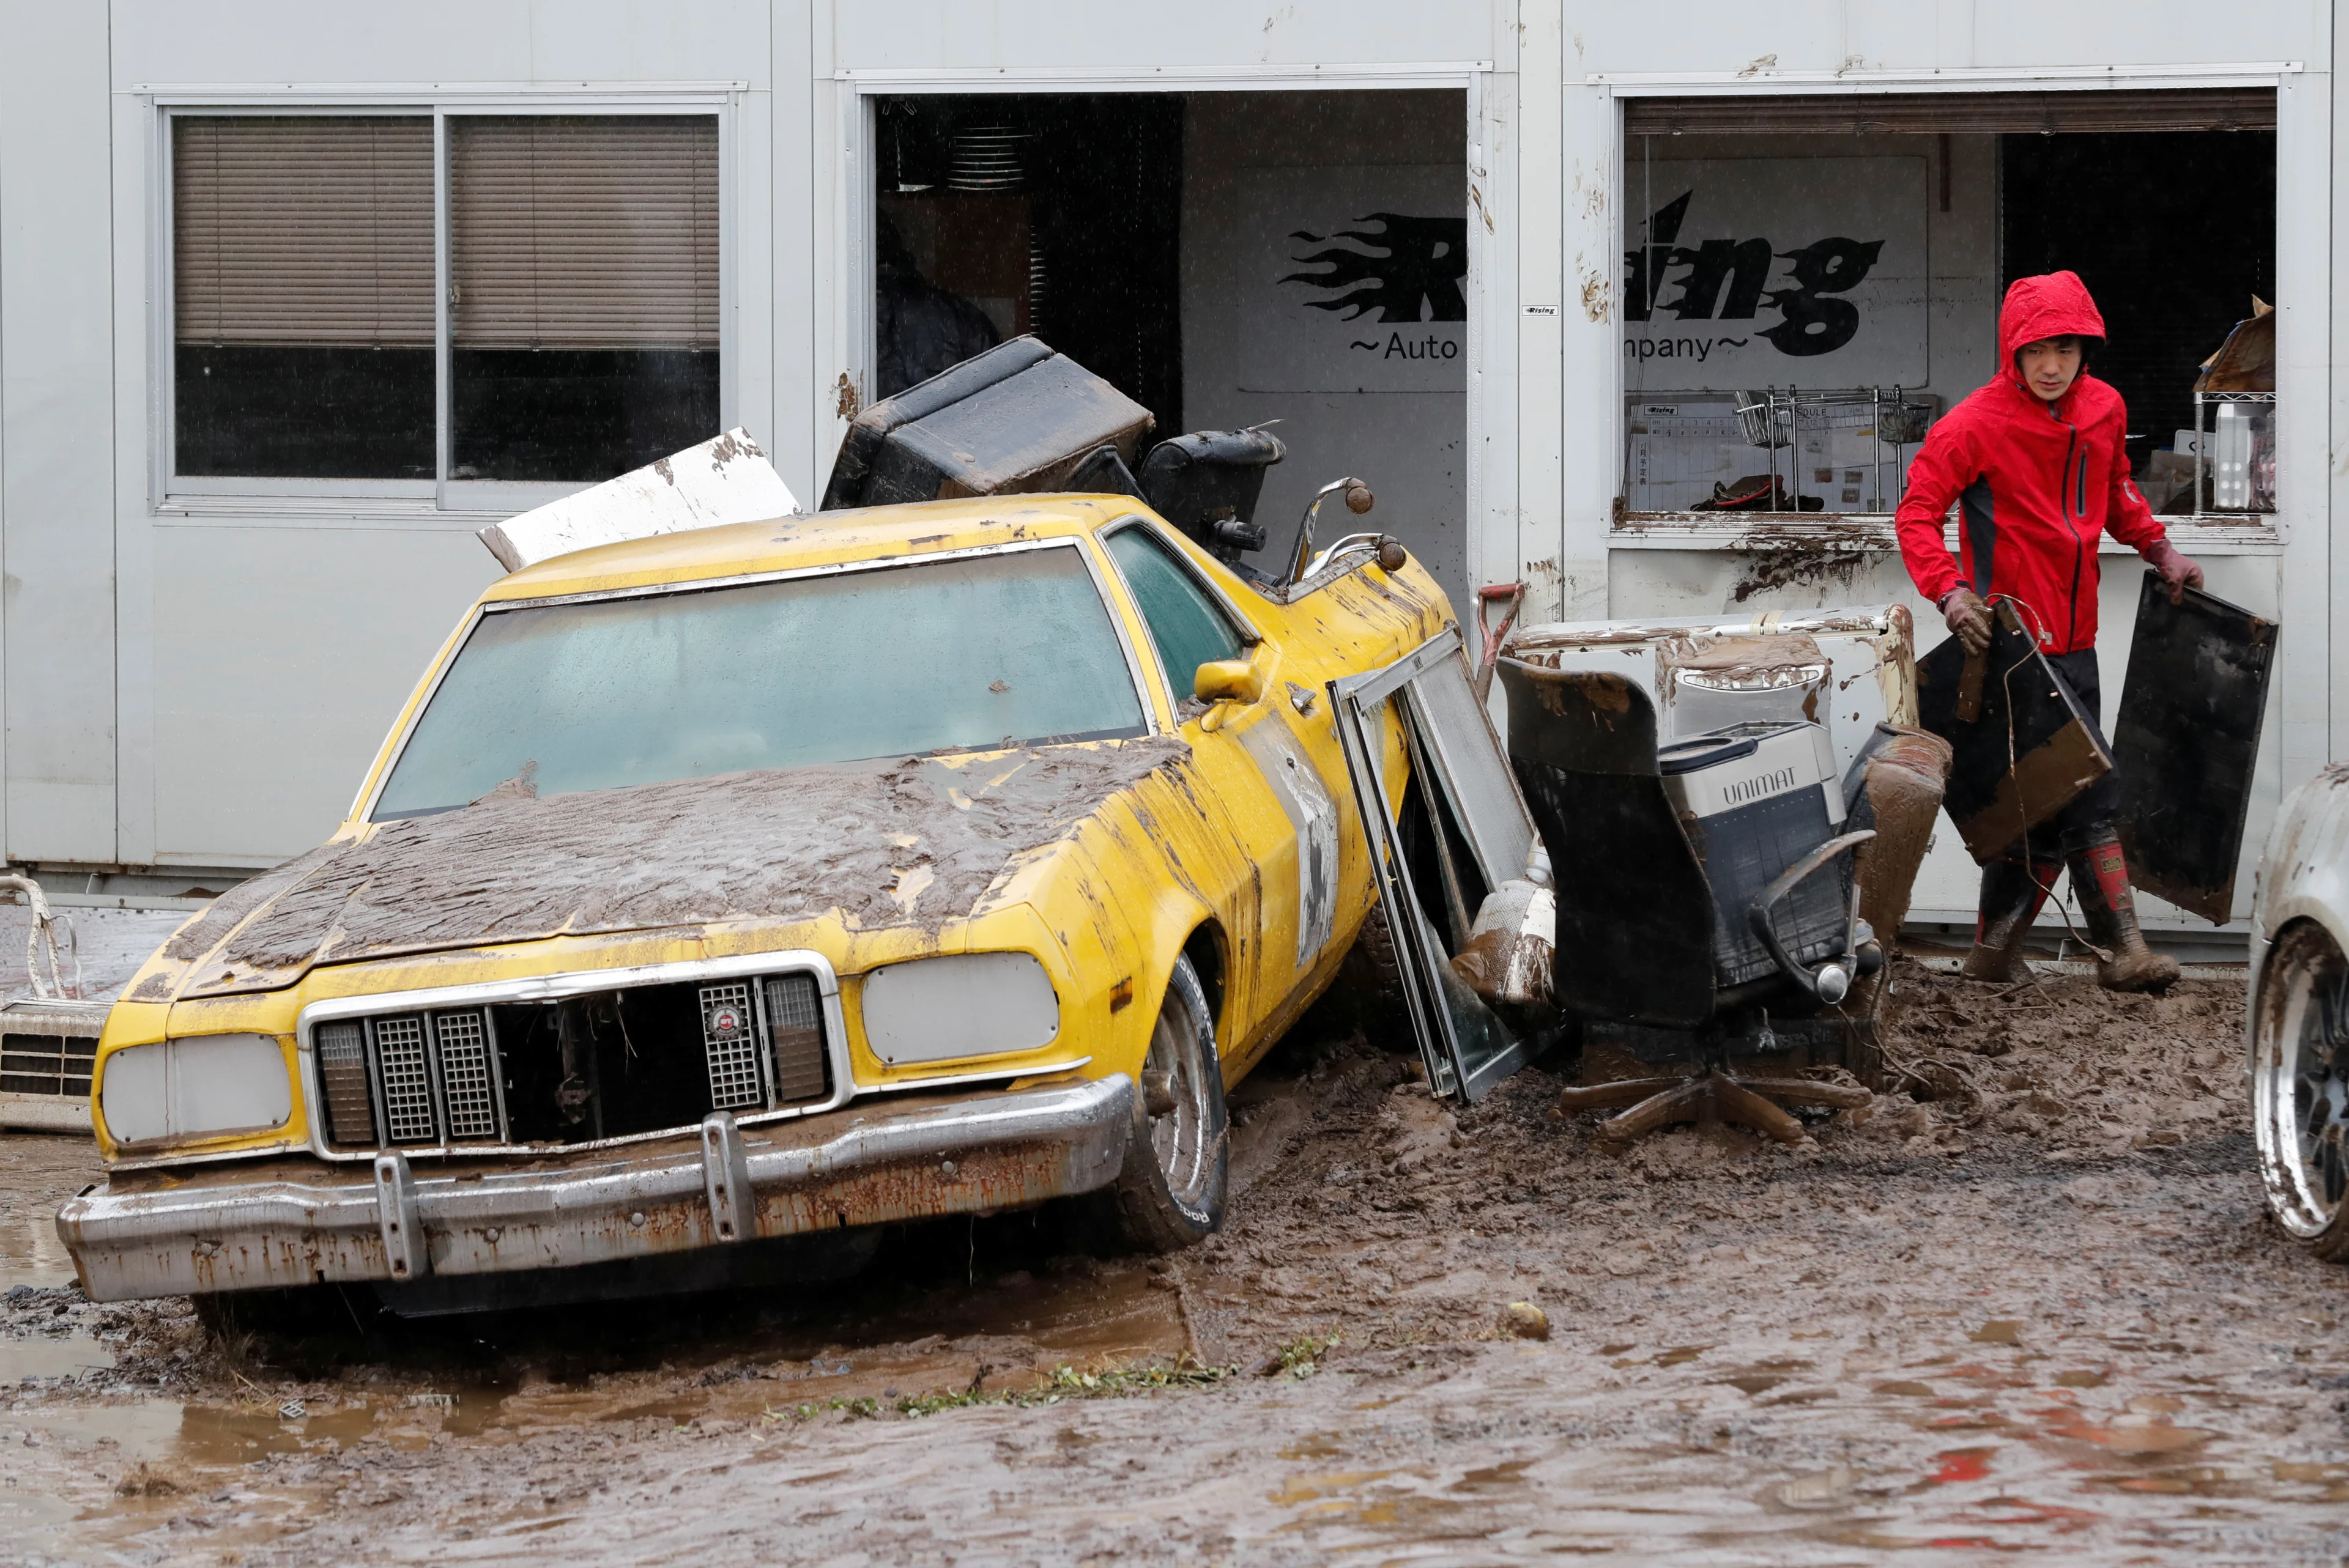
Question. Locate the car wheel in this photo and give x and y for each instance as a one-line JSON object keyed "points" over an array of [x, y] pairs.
{"points": [[1170, 1194], [2300, 1087], [1371, 979]]}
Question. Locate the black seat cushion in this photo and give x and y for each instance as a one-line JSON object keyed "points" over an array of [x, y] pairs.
{"points": [[1635, 914]]}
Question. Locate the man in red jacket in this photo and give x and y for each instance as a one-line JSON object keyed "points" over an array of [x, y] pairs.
{"points": [[2038, 470]]}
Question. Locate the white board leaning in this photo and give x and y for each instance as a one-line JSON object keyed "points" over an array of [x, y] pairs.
{"points": [[724, 480]]}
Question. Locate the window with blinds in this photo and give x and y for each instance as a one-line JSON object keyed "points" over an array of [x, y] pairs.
{"points": [[583, 299], [302, 283], [583, 233], [583, 310]]}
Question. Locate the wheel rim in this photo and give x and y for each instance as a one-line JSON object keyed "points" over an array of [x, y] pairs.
{"points": [[2300, 1070], [1179, 1137]]}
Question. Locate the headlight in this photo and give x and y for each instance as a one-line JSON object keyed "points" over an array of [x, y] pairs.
{"points": [[195, 1087], [964, 1005]]}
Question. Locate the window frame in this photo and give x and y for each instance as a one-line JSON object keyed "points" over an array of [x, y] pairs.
{"points": [[386, 758], [420, 499], [1249, 636], [1626, 529]]}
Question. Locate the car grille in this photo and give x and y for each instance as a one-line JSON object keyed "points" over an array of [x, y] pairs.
{"points": [[46, 1064], [639, 1060]]}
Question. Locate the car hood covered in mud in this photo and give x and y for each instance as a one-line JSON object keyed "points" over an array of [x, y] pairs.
{"points": [[911, 840]]}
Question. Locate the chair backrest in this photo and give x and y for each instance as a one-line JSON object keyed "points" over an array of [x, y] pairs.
{"points": [[1635, 914]]}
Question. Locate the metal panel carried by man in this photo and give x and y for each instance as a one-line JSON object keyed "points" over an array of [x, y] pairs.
{"points": [[2037, 465]]}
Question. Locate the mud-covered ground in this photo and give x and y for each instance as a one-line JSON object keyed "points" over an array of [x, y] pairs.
{"points": [[2032, 1306]]}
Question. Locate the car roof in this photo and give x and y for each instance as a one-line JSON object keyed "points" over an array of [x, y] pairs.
{"points": [[824, 539]]}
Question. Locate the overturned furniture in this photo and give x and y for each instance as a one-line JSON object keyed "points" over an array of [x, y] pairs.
{"points": [[1849, 669], [1624, 928], [1020, 419], [1730, 802], [1706, 886]]}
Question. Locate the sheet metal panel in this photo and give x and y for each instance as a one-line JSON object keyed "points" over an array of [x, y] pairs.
{"points": [[2186, 743]]}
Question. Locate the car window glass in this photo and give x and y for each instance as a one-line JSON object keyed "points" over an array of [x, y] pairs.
{"points": [[1188, 626], [972, 654]]}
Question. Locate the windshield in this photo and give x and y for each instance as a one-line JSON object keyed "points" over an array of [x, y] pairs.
{"points": [[972, 654]]}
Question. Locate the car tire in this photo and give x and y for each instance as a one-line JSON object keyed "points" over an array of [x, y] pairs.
{"points": [[2300, 1086], [1371, 980], [1170, 1194]]}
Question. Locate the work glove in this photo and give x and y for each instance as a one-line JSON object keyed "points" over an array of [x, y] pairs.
{"points": [[2176, 571], [1968, 618]]}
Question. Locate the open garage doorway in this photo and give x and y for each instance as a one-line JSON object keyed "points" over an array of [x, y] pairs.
{"points": [[1224, 259]]}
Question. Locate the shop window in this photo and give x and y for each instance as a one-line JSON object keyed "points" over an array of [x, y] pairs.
{"points": [[583, 295], [2174, 233], [1054, 214], [1809, 282], [1297, 259]]}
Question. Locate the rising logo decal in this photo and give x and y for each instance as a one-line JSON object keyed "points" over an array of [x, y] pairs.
{"points": [[1407, 269], [1726, 281]]}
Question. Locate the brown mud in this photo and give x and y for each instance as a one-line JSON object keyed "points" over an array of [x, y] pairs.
{"points": [[1774, 558], [920, 838], [2029, 1305]]}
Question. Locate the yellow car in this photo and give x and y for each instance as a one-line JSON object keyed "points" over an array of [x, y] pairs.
{"points": [[768, 880]]}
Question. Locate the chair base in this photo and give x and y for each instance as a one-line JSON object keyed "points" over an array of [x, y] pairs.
{"points": [[1708, 1099]]}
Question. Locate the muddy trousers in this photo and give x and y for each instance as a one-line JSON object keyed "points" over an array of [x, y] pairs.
{"points": [[2082, 836]]}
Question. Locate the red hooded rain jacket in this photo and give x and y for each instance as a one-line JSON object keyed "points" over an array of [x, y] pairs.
{"points": [[2035, 482]]}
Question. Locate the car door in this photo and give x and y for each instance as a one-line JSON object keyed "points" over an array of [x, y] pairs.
{"points": [[1280, 891]]}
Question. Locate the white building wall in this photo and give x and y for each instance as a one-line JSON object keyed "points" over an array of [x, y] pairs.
{"points": [[201, 684], [57, 391], [264, 645]]}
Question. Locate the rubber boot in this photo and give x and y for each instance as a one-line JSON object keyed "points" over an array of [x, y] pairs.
{"points": [[2014, 888], [2100, 880]]}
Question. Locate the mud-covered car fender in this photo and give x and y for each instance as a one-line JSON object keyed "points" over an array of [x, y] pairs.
{"points": [[2303, 874]]}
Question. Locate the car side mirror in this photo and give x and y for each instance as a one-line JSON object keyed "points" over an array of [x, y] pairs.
{"points": [[1227, 680]]}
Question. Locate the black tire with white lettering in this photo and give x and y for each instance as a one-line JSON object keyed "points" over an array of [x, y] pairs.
{"points": [[1170, 1193]]}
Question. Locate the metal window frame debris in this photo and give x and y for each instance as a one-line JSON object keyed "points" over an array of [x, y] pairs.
{"points": [[1450, 1022]]}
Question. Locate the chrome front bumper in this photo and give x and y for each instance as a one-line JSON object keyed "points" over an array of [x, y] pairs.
{"points": [[868, 1163]]}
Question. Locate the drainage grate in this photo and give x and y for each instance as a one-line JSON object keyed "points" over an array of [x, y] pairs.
{"points": [[730, 1037]]}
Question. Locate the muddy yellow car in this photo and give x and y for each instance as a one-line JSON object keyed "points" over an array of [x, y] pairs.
{"points": [[769, 880]]}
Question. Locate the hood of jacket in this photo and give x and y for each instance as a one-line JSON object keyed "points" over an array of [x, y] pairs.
{"points": [[2052, 304]]}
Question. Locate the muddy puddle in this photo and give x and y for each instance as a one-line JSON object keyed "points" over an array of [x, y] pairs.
{"points": [[116, 1421], [2029, 1305]]}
